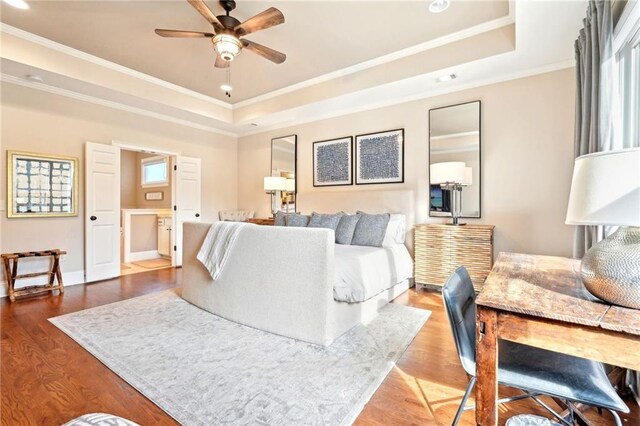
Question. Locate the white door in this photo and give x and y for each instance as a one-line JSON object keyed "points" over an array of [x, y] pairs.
{"points": [[187, 199], [102, 211]]}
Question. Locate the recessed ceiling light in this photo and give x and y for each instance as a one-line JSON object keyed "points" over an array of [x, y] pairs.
{"points": [[438, 6], [447, 77], [34, 78], [20, 4]]}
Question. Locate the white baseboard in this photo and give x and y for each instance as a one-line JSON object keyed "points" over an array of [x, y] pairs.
{"points": [[143, 255], [69, 279]]}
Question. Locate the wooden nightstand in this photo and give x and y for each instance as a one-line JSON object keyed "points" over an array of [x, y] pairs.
{"points": [[440, 249], [269, 221]]}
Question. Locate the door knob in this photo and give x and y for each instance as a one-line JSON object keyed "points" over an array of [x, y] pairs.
{"points": [[197, 214], [93, 218]]}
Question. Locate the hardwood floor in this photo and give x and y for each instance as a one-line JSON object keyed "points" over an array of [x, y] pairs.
{"points": [[48, 379]]}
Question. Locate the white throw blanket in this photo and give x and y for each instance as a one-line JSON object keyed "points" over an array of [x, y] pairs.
{"points": [[217, 245]]}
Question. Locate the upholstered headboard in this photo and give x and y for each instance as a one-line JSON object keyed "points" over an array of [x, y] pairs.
{"points": [[375, 201]]}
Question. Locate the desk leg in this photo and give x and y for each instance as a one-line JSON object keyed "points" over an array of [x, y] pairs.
{"points": [[487, 367]]}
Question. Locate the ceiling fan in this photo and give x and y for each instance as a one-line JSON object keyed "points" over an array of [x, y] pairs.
{"points": [[227, 31]]}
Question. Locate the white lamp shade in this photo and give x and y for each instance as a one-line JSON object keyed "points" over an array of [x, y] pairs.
{"points": [[447, 172], [290, 185], [275, 183], [605, 189]]}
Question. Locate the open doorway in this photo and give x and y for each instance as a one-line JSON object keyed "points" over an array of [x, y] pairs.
{"points": [[146, 215], [106, 247]]}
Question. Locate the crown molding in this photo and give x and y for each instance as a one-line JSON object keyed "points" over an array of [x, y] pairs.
{"points": [[62, 48], [110, 104], [394, 56], [416, 97]]}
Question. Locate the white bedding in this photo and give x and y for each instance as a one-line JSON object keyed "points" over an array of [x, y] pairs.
{"points": [[362, 272]]}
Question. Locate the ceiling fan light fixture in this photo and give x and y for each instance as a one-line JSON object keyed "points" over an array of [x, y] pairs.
{"points": [[227, 46], [226, 87], [438, 6]]}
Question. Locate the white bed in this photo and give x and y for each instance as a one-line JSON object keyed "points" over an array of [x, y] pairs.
{"points": [[363, 272], [288, 280]]}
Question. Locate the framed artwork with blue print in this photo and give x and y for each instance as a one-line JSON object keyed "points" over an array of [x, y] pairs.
{"points": [[380, 157], [333, 162]]}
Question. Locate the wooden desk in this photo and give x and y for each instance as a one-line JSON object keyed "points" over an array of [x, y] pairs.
{"points": [[541, 301]]}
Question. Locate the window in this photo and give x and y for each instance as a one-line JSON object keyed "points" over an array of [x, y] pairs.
{"points": [[630, 78], [627, 46], [154, 172]]}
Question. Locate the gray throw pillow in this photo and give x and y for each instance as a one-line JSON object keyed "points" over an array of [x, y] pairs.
{"points": [[329, 221], [370, 229], [281, 219], [346, 228], [297, 220]]}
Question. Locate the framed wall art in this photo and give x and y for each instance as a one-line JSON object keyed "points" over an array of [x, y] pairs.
{"points": [[333, 162], [40, 185], [380, 157]]}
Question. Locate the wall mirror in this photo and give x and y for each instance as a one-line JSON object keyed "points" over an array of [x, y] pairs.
{"points": [[41, 185], [284, 156], [455, 138]]}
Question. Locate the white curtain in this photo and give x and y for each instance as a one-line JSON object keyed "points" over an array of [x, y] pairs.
{"points": [[598, 122]]}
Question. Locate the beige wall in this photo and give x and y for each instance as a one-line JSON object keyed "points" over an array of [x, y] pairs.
{"points": [[144, 232], [527, 157], [128, 188], [41, 122]]}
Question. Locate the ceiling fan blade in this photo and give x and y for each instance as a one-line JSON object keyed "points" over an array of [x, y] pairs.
{"points": [[206, 13], [263, 20], [182, 34], [264, 51], [221, 63]]}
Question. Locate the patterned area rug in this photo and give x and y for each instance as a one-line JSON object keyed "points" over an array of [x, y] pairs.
{"points": [[204, 370]]}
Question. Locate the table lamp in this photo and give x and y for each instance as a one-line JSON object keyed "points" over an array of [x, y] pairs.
{"points": [[605, 190], [272, 184], [452, 176]]}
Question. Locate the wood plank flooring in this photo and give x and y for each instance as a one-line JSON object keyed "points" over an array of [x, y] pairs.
{"points": [[48, 379]]}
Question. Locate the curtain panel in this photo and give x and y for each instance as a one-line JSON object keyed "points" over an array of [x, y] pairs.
{"points": [[597, 123]]}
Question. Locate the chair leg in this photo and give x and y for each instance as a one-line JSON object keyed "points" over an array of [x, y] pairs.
{"points": [[616, 417], [467, 393]]}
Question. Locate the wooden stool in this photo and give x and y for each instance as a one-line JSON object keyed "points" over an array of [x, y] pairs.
{"points": [[11, 272]]}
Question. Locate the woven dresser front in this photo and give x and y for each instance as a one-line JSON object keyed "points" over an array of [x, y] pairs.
{"points": [[440, 249]]}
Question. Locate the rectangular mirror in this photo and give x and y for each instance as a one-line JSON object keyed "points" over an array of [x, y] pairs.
{"points": [[284, 155], [455, 138], [41, 185]]}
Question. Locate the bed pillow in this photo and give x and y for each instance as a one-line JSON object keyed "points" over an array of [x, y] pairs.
{"points": [[346, 228], [396, 230], [370, 229], [297, 220], [281, 219], [329, 221]]}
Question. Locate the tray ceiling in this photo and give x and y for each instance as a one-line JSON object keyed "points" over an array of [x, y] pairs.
{"points": [[319, 37]]}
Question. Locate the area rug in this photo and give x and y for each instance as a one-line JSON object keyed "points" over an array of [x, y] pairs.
{"points": [[204, 370], [153, 263]]}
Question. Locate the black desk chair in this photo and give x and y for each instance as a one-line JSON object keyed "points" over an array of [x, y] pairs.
{"points": [[532, 370]]}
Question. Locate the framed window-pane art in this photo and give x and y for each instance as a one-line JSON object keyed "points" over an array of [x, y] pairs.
{"points": [[41, 185], [332, 162], [380, 157]]}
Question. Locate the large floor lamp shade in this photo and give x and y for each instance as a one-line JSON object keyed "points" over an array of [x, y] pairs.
{"points": [[605, 190]]}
